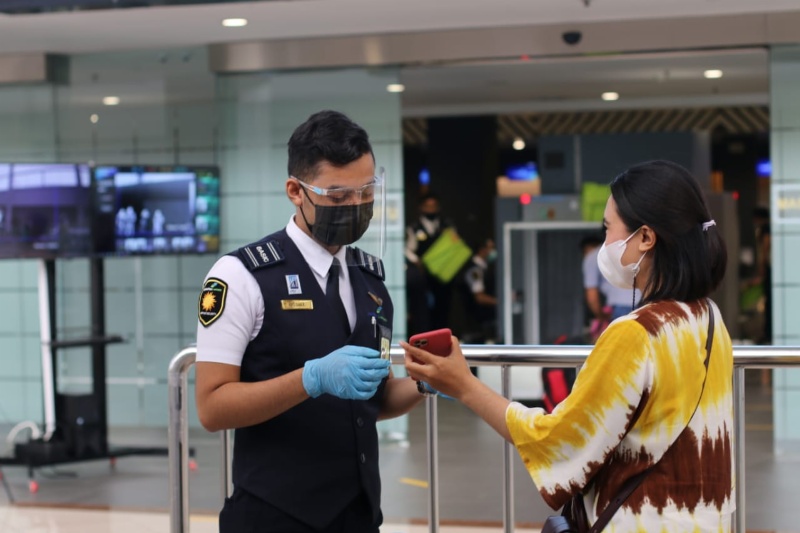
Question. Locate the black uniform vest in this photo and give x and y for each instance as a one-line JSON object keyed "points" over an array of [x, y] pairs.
{"points": [[314, 459]]}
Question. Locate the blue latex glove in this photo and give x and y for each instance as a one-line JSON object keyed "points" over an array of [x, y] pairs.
{"points": [[349, 372], [435, 392]]}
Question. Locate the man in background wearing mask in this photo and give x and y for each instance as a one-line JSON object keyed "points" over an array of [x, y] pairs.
{"points": [[289, 339], [481, 302], [429, 299]]}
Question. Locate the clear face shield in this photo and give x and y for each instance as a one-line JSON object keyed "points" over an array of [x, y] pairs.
{"points": [[353, 215]]}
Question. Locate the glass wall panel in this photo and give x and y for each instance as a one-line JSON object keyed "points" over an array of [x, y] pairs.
{"points": [[169, 110], [785, 147]]}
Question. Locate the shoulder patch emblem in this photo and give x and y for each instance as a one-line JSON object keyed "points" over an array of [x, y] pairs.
{"points": [[212, 301]]}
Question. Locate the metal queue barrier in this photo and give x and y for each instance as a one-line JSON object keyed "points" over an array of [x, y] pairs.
{"points": [[504, 356]]}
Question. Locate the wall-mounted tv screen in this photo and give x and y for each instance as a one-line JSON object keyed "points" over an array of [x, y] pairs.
{"points": [[156, 209], [45, 210]]}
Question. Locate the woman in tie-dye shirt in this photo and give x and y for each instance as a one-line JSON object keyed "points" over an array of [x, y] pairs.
{"points": [[639, 387]]}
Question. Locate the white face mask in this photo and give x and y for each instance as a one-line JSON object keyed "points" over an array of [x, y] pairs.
{"points": [[609, 260]]}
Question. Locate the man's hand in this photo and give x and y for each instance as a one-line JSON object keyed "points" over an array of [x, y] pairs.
{"points": [[350, 373]]}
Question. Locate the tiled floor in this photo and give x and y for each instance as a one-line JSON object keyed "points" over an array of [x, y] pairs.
{"points": [[137, 489], [16, 519]]}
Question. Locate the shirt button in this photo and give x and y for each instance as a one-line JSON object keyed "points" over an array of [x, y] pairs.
{"points": [[360, 422], [363, 458]]}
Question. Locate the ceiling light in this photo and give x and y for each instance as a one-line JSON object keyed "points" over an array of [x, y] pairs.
{"points": [[111, 100], [395, 87], [610, 96], [95, 118], [234, 23], [712, 74], [518, 144]]}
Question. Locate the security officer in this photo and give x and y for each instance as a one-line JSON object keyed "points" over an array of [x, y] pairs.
{"points": [[288, 349], [428, 299], [477, 284]]}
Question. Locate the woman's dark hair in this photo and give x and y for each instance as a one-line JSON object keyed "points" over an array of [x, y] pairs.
{"points": [[326, 136], [688, 262]]}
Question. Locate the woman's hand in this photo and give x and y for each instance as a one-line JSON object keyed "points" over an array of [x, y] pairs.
{"points": [[449, 375]]}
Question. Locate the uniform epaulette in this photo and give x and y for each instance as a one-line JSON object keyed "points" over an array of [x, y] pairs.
{"points": [[261, 254], [369, 263]]}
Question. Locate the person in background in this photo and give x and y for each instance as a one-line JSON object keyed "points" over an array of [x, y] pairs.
{"points": [[652, 407], [478, 287], [288, 338], [428, 298], [764, 267], [763, 277]]}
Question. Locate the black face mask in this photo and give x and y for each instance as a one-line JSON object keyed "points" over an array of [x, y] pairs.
{"points": [[339, 225], [433, 217]]}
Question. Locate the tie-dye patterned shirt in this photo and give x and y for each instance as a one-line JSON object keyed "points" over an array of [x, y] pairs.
{"points": [[628, 409]]}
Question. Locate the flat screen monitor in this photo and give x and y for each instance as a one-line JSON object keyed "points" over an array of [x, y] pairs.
{"points": [[156, 209], [45, 210]]}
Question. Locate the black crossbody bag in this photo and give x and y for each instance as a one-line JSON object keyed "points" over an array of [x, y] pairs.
{"points": [[573, 518]]}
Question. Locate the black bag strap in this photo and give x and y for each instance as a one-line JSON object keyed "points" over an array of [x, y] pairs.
{"points": [[632, 483]]}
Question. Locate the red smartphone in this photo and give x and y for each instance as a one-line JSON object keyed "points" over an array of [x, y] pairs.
{"points": [[437, 342]]}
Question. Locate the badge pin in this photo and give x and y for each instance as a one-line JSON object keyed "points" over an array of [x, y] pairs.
{"points": [[297, 305], [375, 298], [293, 284]]}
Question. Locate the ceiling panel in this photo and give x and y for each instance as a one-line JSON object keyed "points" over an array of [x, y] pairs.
{"points": [[634, 77], [167, 26]]}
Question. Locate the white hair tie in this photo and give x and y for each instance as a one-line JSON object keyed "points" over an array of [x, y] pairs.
{"points": [[708, 224]]}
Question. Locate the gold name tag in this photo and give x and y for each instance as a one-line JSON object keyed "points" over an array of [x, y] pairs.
{"points": [[297, 305]]}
